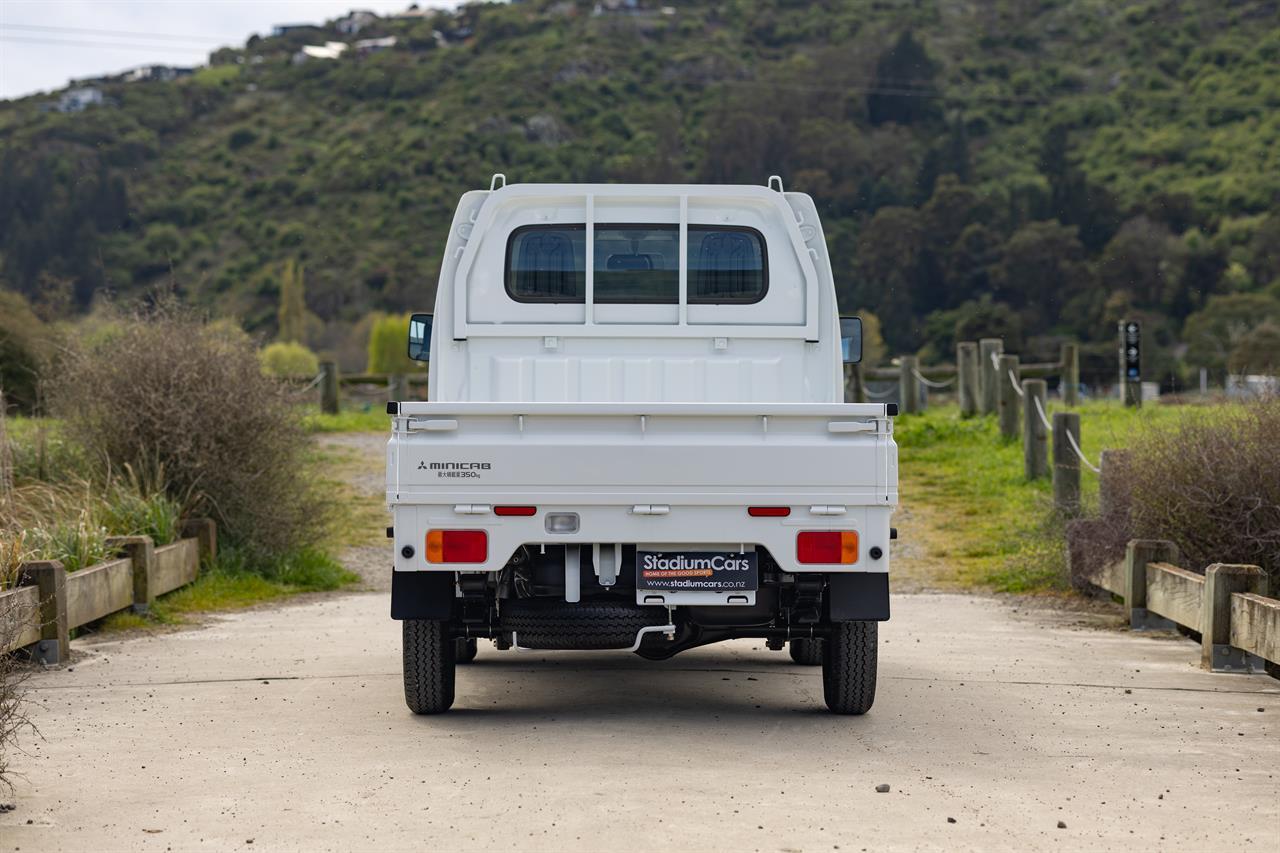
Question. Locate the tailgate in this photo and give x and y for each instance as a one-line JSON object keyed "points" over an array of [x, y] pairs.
{"points": [[674, 453]]}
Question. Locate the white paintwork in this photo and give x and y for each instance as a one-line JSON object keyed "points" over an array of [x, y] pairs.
{"points": [[654, 423]]}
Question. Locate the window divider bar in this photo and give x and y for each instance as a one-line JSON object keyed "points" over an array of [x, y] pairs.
{"points": [[684, 260], [589, 297]]}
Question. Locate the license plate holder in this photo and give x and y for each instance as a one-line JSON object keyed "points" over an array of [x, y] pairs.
{"points": [[697, 571]]}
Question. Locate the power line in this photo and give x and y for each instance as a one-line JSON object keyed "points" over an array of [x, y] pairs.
{"points": [[97, 32], [161, 47]]}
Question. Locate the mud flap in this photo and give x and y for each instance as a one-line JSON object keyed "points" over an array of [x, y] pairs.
{"points": [[422, 595], [858, 597]]}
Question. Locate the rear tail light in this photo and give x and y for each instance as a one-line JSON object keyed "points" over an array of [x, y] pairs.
{"points": [[827, 546], [768, 511], [515, 510], [457, 546]]}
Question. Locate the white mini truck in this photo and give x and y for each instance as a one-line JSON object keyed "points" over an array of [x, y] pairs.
{"points": [[637, 438]]}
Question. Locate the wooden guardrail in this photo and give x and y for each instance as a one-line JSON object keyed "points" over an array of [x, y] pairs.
{"points": [[1228, 606], [49, 601]]}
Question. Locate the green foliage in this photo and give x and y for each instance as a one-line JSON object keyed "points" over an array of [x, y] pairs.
{"points": [[288, 359], [24, 353], [1233, 331], [389, 345], [1071, 161], [291, 317]]}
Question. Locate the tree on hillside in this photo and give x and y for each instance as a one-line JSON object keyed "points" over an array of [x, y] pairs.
{"points": [[1144, 259], [1227, 323], [292, 315], [1041, 269], [904, 92]]}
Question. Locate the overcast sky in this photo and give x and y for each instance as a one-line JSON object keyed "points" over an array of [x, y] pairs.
{"points": [[45, 43]]}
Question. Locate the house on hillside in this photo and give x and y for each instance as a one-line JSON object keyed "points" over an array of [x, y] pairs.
{"points": [[355, 21], [163, 73], [365, 46], [413, 13], [329, 50], [285, 29], [79, 99]]}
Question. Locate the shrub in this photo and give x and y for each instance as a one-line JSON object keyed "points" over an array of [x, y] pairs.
{"points": [[286, 359], [23, 352], [1212, 485], [177, 403], [389, 345]]}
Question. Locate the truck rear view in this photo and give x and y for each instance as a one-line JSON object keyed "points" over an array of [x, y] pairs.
{"points": [[637, 439]]}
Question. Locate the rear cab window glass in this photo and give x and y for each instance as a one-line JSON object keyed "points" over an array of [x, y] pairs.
{"points": [[637, 264], [545, 263]]}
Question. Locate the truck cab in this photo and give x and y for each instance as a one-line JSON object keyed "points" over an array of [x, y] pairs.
{"points": [[636, 438]]}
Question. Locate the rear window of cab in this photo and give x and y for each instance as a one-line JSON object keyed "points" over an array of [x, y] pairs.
{"points": [[637, 264]]}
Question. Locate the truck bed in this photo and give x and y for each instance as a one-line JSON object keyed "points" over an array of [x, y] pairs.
{"points": [[703, 463]]}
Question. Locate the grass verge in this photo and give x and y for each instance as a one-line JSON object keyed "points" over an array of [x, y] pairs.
{"points": [[348, 420], [982, 521], [234, 582]]}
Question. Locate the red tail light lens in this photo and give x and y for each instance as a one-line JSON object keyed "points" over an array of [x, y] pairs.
{"points": [[768, 511], [457, 546], [515, 510], [827, 546]]}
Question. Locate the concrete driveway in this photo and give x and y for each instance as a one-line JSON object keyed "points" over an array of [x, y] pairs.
{"points": [[285, 728]]}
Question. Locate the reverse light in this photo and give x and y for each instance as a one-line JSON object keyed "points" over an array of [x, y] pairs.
{"points": [[562, 522], [457, 546], [827, 546], [515, 510], [768, 511]]}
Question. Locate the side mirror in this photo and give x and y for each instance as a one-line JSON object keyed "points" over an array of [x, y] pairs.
{"points": [[851, 339], [420, 337]]}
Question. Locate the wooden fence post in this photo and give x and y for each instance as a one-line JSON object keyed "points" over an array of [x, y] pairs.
{"points": [[1136, 556], [329, 388], [1070, 380], [1035, 437], [987, 369], [1220, 581], [967, 378], [1066, 464], [855, 389], [206, 531], [1007, 397], [50, 580], [142, 551], [397, 388], [908, 385]]}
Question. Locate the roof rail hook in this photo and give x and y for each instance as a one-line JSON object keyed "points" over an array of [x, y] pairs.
{"points": [[493, 182], [775, 182]]}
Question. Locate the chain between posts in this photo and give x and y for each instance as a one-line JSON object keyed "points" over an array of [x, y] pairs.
{"points": [[931, 384], [305, 388], [1071, 439], [881, 395], [1013, 379]]}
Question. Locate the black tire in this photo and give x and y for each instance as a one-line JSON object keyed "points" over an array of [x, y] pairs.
{"points": [[849, 667], [464, 650], [428, 666], [806, 652], [552, 624]]}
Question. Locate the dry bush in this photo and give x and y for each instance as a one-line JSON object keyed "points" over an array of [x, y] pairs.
{"points": [[13, 717], [1212, 486], [186, 407]]}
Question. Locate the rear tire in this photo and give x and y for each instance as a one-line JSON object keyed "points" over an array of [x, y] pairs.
{"points": [[464, 649], [806, 652], [428, 666], [849, 667]]}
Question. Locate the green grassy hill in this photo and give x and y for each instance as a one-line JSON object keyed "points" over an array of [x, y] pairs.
{"points": [[1035, 170]]}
